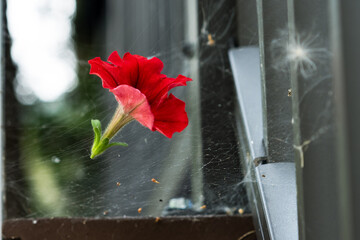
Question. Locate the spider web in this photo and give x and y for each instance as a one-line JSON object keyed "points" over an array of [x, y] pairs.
{"points": [[56, 177]]}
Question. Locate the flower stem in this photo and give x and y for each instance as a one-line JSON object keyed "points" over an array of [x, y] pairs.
{"points": [[118, 121]]}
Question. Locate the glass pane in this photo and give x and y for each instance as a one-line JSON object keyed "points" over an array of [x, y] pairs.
{"points": [[52, 99]]}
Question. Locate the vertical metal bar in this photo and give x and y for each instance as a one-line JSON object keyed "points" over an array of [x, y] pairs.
{"points": [[345, 43], [316, 126], [272, 19], [344, 208], [191, 38], [2, 130], [296, 123]]}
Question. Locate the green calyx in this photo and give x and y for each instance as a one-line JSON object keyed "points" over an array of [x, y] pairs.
{"points": [[101, 143]]}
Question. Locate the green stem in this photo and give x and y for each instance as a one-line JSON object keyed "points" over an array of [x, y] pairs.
{"points": [[118, 121]]}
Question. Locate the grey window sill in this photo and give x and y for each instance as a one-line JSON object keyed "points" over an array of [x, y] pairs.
{"points": [[271, 186]]}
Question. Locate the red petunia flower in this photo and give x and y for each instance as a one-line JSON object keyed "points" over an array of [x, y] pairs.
{"points": [[142, 93]]}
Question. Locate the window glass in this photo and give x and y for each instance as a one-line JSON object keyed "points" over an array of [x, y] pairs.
{"points": [[51, 98]]}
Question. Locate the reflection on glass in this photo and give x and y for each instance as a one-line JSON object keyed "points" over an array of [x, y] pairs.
{"points": [[42, 48]]}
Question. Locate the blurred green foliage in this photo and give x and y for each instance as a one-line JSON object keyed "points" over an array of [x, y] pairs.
{"points": [[56, 137]]}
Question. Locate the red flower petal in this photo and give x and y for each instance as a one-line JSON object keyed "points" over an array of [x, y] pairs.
{"points": [[154, 84], [150, 76], [122, 71], [115, 58], [137, 71], [135, 104], [128, 68], [167, 84], [170, 116], [140, 87], [107, 72]]}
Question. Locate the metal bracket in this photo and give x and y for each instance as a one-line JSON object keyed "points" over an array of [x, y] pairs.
{"points": [[271, 187]]}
